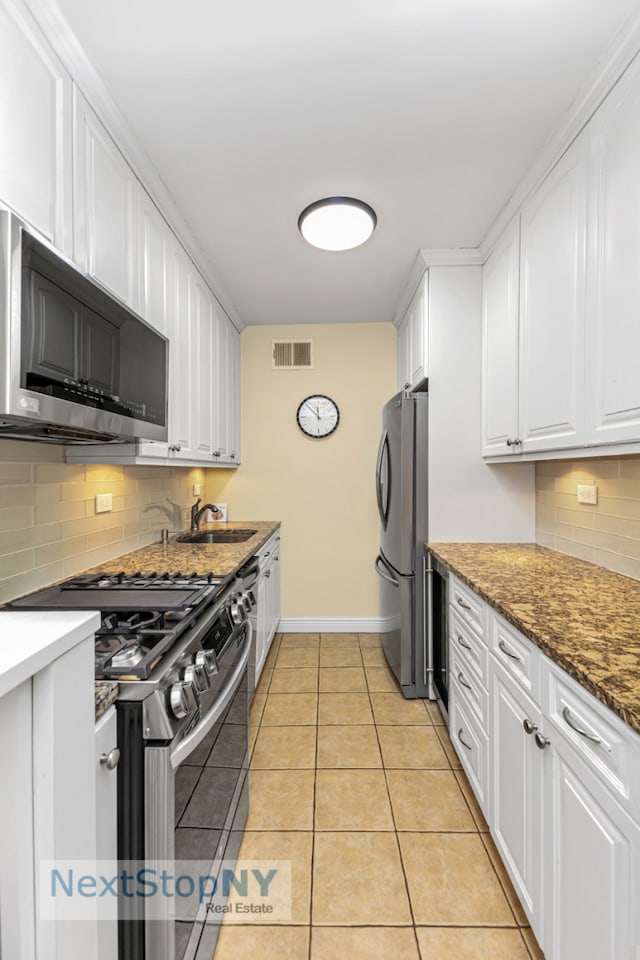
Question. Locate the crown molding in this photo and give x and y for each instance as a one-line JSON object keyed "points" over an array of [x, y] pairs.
{"points": [[64, 42], [606, 73], [454, 257]]}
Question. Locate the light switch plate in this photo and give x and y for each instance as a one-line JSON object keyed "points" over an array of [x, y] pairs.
{"points": [[104, 502], [196, 489], [587, 493]]}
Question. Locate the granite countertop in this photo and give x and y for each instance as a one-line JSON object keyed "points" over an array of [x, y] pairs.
{"points": [[105, 693], [221, 559], [584, 617]]}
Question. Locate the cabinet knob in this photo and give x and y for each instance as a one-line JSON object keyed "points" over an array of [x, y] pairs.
{"points": [[513, 443], [541, 742], [529, 727], [110, 760], [233, 456]]}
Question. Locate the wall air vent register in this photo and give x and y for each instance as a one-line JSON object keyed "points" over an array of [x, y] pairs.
{"points": [[292, 354]]}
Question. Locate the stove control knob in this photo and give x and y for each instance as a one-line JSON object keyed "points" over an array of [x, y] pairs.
{"points": [[196, 676], [236, 612], [207, 660], [182, 700]]}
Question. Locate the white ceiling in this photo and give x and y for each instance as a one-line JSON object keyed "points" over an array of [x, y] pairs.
{"points": [[429, 110]]}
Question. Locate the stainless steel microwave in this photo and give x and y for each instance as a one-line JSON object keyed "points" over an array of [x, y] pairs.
{"points": [[77, 365]]}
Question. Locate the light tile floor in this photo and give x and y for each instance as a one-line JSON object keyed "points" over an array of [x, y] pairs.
{"points": [[363, 792]]}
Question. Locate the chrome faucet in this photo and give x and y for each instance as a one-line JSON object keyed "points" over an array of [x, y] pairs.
{"points": [[197, 514]]}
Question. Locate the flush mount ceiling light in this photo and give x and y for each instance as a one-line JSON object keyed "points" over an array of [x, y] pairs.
{"points": [[337, 223]]}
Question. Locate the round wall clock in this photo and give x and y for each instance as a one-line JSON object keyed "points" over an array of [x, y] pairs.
{"points": [[318, 416]]}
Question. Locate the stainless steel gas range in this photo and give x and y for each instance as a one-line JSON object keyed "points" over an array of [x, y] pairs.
{"points": [[179, 647]]}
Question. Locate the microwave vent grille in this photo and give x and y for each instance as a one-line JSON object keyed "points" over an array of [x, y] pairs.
{"points": [[292, 354]]}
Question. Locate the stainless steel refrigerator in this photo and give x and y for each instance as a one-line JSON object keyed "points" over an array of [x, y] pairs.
{"points": [[401, 488]]}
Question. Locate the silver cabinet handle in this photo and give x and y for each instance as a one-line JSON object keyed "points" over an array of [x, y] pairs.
{"points": [[509, 652], [529, 727], [541, 742], [514, 442], [110, 760], [268, 573], [463, 681], [467, 646], [463, 603], [566, 713], [463, 742]]}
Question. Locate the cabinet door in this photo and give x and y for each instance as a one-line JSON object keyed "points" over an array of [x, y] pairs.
{"points": [[614, 291], [517, 767], [261, 625], [221, 377], [594, 864], [36, 124], [107, 829], [500, 281], [419, 333], [552, 307], [182, 383], [404, 352], [202, 372], [234, 394], [105, 191], [17, 894], [154, 238]]}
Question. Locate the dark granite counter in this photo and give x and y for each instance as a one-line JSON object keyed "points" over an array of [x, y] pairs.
{"points": [[584, 617], [106, 693], [221, 559]]}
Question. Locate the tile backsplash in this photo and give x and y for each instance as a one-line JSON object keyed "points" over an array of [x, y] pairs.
{"points": [[49, 529], [607, 533]]}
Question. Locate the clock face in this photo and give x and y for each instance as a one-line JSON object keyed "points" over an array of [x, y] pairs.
{"points": [[318, 416]]}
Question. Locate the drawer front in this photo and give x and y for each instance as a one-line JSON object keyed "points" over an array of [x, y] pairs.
{"points": [[472, 691], [466, 643], [471, 745], [469, 606], [518, 655], [268, 549], [603, 740]]}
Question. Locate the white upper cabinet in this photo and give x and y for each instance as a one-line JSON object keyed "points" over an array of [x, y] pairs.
{"points": [[36, 124], [413, 366], [105, 195], [182, 391], [226, 385], [553, 235], [614, 290], [201, 372], [154, 239], [500, 286]]}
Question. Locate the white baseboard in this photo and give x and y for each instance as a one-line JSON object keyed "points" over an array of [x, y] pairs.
{"points": [[331, 625]]}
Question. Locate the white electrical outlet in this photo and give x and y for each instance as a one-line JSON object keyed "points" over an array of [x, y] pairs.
{"points": [[104, 502], [587, 493], [196, 489]]}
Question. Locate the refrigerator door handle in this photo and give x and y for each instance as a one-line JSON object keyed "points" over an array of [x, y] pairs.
{"points": [[386, 573], [382, 496]]}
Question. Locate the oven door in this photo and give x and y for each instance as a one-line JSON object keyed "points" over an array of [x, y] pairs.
{"points": [[196, 807]]}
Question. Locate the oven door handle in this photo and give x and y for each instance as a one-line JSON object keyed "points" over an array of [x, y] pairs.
{"points": [[221, 703]]}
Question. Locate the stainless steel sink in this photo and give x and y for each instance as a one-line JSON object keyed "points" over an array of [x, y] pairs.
{"points": [[216, 536]]}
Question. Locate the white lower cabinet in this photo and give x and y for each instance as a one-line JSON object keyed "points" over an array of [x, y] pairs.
{"points": [[593, 857], [267, 608], [106, 772], [516, 788], [560, 787]]}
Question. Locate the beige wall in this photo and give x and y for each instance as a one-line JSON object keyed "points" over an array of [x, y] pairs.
{"points": [[322, 490], [48, 526], [607, 533]]}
